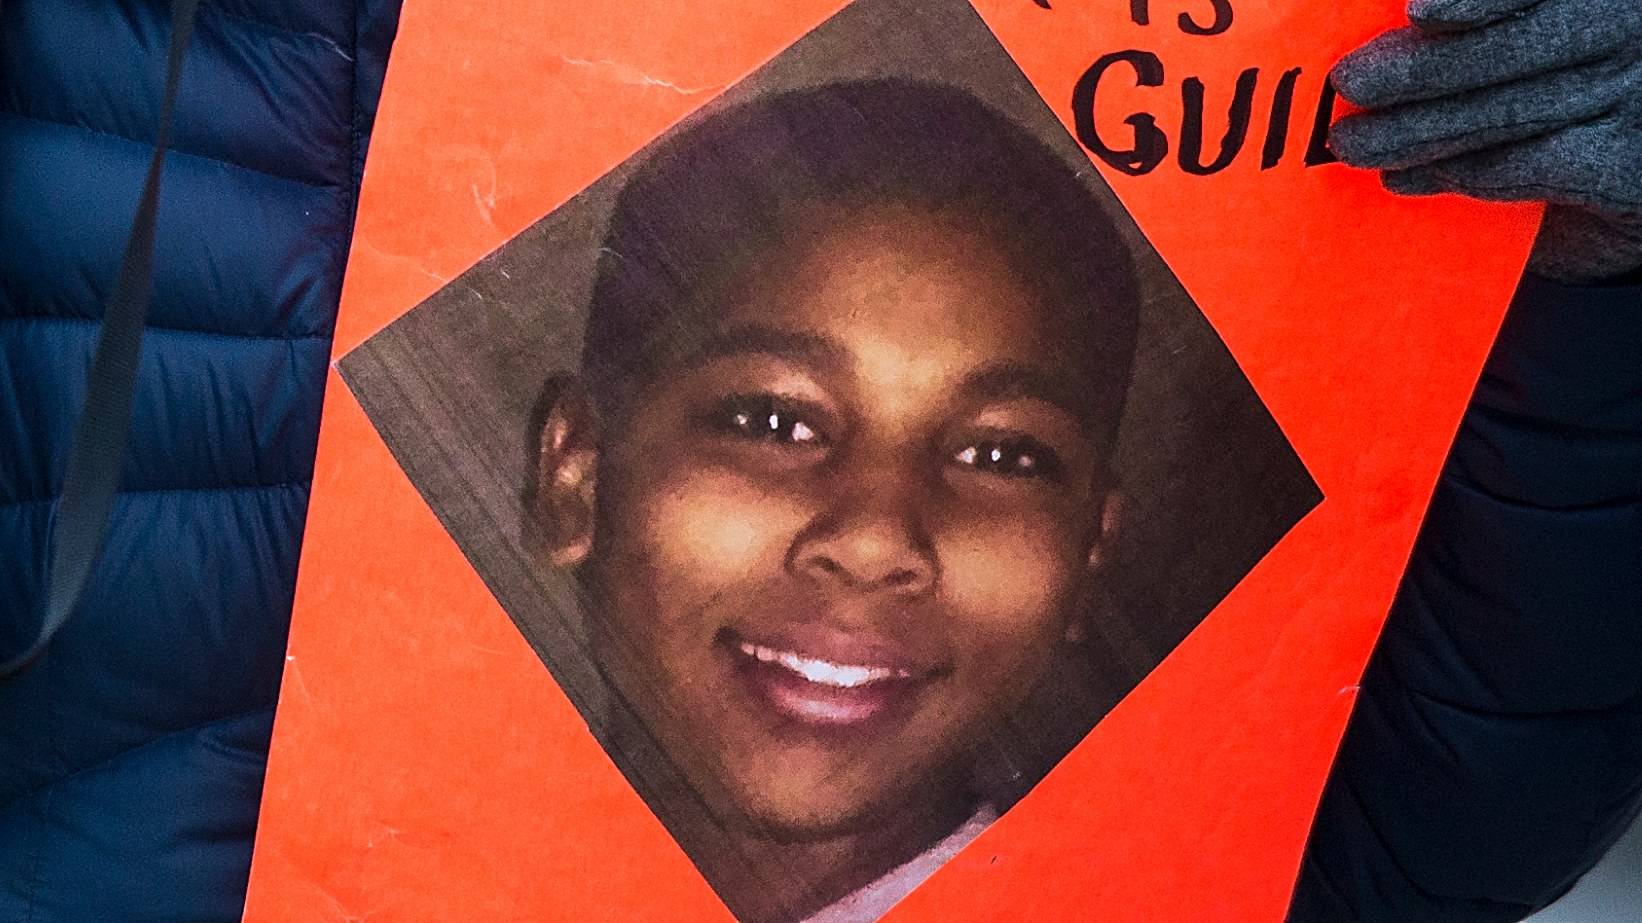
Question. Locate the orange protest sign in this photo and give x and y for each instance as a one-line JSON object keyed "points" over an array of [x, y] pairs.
{"points": [[779, 449]]}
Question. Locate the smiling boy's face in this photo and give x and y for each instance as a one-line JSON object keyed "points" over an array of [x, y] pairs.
{"points": [[840, 535]]}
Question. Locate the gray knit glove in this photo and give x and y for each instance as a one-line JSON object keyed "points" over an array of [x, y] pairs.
{"points": [[1512, 100]]}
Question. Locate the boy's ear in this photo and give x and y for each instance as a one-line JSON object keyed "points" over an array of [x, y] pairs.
{"points": [[566, 474], [1111, 514]]}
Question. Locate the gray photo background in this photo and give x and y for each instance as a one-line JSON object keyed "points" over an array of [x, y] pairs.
{"points": [[1210, 483]]}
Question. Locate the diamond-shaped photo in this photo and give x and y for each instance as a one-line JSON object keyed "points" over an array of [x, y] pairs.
{"points": [[846, 455]]}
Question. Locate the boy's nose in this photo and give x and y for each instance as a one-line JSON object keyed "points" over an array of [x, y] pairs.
{"points": [[871, 537]]}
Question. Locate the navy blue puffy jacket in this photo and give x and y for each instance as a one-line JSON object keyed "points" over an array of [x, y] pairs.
{"points": [[131, 753], [1496, 747]]}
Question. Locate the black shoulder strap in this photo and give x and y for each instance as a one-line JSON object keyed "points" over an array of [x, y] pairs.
{"points": [[94, 460]]}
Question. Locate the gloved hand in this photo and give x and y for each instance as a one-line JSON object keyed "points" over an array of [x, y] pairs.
{"points": [[1512, 100]]}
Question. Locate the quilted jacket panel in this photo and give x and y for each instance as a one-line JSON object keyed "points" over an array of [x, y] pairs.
{"points": [[131, 753]]}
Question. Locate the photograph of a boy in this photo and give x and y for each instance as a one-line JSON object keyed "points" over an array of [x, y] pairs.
{"points": [[835, 472], [846, 454]]}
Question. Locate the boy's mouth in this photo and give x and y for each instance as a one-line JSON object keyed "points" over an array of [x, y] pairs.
{"points": [[846, 684], [827, 673]]}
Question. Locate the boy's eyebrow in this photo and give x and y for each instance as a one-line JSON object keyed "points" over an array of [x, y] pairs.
{"points": [[1006, 380], [997, 381], [799, 345]]}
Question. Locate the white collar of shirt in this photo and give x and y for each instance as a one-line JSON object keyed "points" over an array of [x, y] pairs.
{"points": [[875, 899]]}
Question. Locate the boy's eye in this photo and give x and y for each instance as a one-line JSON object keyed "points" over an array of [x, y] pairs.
{"points": [[767, 419], [1017, 458]]}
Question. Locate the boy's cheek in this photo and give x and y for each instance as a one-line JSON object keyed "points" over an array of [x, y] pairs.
{"points": [[712, 527], [1010, 575]]}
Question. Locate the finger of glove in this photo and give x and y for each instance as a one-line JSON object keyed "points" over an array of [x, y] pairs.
{"points": [[1590, 165], [1415, 182], [1432, 130], [1459, 15], [1407, 65], [1582, 246]]}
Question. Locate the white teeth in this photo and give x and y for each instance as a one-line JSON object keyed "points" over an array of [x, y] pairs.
{"points": [[826, 673]]}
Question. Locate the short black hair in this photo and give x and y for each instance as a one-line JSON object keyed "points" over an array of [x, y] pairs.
{"points": [[728, 185]]}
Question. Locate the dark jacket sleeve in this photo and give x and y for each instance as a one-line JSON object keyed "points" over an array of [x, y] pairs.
{"points": [[131, 751], [1495, 750]]}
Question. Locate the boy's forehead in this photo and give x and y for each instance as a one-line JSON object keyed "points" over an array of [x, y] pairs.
{"points": [[889, 276], [890, 295]]}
